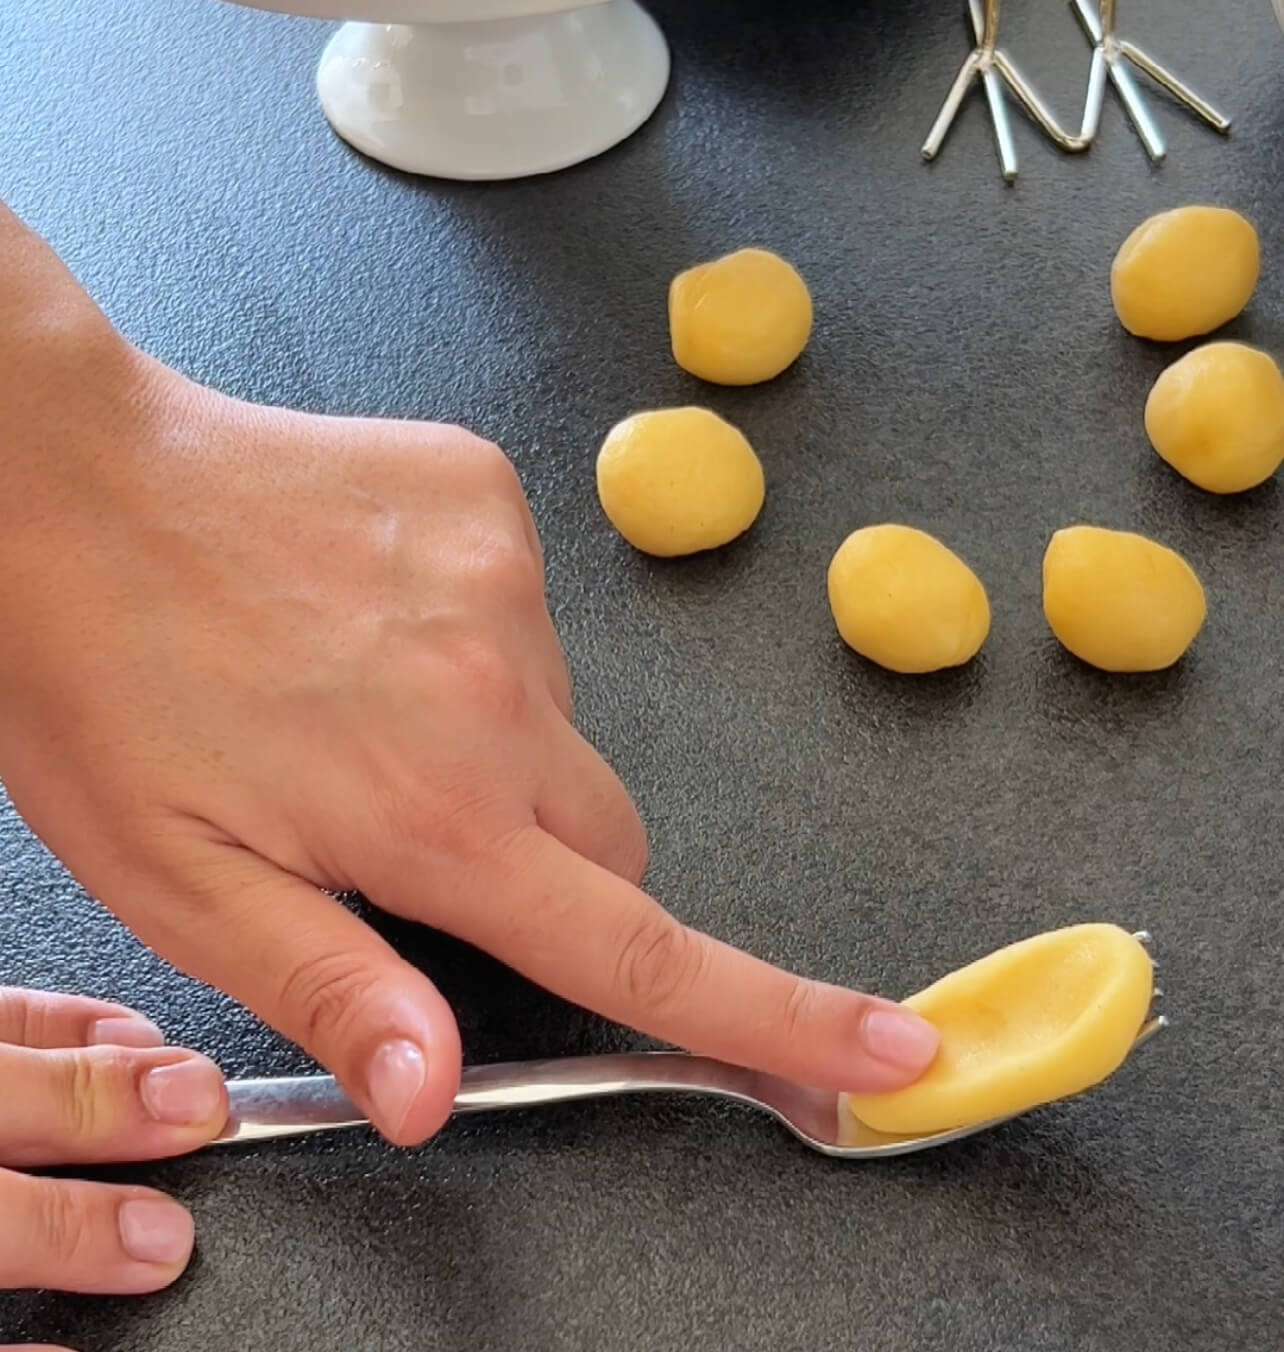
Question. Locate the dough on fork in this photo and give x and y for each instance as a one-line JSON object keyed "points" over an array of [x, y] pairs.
{"points": [[1037, 1021]]}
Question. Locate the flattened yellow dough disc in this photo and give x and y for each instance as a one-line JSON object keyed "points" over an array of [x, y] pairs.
{"points": [[1037, 1021]]}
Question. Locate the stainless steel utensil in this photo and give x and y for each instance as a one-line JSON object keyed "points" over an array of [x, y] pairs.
{"points": [[268, 1109], [990, 64], [1111, 56]]}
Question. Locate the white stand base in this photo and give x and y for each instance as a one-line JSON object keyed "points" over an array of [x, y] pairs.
{"points": [[498, 99]]}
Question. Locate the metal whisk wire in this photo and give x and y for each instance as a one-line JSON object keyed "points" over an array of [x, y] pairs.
{"points": [[989, 63], [1111, 56]]}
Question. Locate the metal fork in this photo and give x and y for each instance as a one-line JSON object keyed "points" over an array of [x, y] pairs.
{"points": [[267, 1109]]}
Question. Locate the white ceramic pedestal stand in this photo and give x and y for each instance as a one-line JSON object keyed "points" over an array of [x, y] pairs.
{"points": [[486, 89]]}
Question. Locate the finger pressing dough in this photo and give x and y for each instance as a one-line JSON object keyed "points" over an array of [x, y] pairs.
{"points": [[1217, 417], [1036, 1021], [1184, 273], [905, 601], [739, 320], [1120, 601], [679, 480]]}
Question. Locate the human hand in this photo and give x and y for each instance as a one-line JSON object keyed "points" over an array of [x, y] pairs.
{"points": [[265, 654], [87, 1082]]}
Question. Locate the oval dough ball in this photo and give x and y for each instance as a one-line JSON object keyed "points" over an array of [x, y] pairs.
{"points": [[739, 320], [1119, 601], [905, 601], [1037, 1021], [679, 480], [1184, 272], [1217, 417]]}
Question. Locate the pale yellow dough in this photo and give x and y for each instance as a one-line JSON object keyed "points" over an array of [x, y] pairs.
{"points": [[1184, 273], [1217, 417], [1119, 601], [1037, 1021], [679, 480], [739, 320], [905, 601]]}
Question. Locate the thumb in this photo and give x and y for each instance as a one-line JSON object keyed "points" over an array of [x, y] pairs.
{"points": [[317, 974]]}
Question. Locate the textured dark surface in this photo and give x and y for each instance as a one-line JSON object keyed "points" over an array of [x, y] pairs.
{"points": [[965, 375]]}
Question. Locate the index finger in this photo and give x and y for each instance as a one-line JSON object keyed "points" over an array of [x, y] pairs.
{"points": [[591, 937]]}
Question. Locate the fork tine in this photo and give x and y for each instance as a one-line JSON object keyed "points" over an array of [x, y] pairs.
{"points": [[1147, 941], [1148, 1030]]}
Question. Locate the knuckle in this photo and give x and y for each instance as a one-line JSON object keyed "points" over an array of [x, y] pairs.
{"points": [[88, 1091], [500, 560], [489, 461], [80, 1097], [28, 1018], [468, 820], [323, 994], [661, 963], [488, 678], [17, 1015], [632, 849], [563, 692], [798, 1016], [65, 1231]]}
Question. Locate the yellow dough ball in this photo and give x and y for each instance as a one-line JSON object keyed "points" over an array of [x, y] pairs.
{"points": [[1217, 417], [905, 601], [1037, 1021], [679, 480], [1119, 601], [739, 320], [1184, 272]]}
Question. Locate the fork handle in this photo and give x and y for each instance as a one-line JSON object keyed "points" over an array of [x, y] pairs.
{"points": [[263, 1110]]}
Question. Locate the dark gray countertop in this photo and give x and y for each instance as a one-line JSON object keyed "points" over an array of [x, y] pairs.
{"points": [[966, 375]]}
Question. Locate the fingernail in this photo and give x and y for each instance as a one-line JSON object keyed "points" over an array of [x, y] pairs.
{"points": [[899, 1038], [397, 1075], [125, 1031], [155, 1231], [183, 1094]]}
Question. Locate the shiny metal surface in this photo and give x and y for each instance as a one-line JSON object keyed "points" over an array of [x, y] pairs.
{"points": [[1111, 59], [994, 68], [269, 1109], [1111, 56]]}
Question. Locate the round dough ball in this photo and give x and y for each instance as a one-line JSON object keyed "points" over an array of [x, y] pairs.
{"points": [[1184, 272], [1119, 601], [905, 601], [679, 480], [739, 320], [1217, 417]]}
